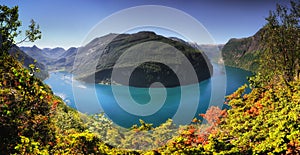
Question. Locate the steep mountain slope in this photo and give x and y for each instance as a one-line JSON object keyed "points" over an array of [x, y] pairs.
{"points": [[64, 61], [43, 55], [213, 51], [95, 61], [105, 52], [27, 60], [36, 53], [55, 59], [53, 52], [35, 121], [243, 53], [24, 106]]}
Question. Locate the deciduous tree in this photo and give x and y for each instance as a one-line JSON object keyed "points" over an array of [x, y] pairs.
{"points": [[9, 25], [281, 38]]}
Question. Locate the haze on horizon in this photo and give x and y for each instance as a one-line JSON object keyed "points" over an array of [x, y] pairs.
{"points": [[66, 23]]}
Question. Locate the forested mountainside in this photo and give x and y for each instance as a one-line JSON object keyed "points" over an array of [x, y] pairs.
{"points": [[264, 121], [27, 60], [106, 50], [244, 52]]}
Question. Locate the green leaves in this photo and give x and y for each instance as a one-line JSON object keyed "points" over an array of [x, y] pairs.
{"points": [[9, 25], [265, 121], [24, 107], [9, 21], [31, 66], [281, 43], [33, 33]]}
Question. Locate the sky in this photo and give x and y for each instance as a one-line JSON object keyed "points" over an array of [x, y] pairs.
{"points": [[66, 23]]}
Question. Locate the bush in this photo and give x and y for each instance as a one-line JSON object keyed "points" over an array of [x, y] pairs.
{"points": [[263, 121]]}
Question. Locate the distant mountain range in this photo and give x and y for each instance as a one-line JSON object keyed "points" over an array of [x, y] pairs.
{"points": [[27, 60], [213, 51], [54, 59], [106, 50]]}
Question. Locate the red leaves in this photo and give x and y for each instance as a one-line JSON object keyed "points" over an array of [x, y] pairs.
{"points": [[254, 111], [192, 130], [232, 96], [4, 83], [258, 105], [196, 134], [51, 143], [54, 105], [293, 147], [213, 115], [17, 83]]}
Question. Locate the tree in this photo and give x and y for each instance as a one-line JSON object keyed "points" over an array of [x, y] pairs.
{"points": [[9, 24], [281, 38], [265, 121]]}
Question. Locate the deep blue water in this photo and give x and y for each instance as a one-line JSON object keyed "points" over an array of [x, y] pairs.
{"points": [[126, 105]]}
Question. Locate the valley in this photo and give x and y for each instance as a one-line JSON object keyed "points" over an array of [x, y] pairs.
{"points": [[157, 85]]}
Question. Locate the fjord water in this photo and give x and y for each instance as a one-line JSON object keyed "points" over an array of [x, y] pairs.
{"points": [[97, 98]]}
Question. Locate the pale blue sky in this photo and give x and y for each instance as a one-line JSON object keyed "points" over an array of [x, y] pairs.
{"points": [[65, 23]]}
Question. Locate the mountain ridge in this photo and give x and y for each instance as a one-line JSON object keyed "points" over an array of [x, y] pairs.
{"points": [[243, 53], [27, 60], [108, 48], [108, 53]]}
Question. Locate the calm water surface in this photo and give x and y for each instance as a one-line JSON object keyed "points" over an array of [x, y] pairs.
{"points": [[95, 98]]}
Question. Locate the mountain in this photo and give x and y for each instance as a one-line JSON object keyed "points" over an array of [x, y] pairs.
{"points": [[243, 53], [64, 61], [54, 58], [36, 53], [27, 60], [53, 52], [44, 55], [96, 60], [213, 51]]}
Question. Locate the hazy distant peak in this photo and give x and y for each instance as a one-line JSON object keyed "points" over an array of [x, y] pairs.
{"points": [[58, 48], [72, 48], [177, 39], [35, 47]]}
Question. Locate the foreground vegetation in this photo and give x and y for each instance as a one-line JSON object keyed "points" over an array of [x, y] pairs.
{"points": [[34, 121], [265, 121]]}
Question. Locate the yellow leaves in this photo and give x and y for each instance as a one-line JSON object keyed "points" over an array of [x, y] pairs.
{"points": [[235, 98], [195, 120], [266, 120], [29, 146], [258, 105]]}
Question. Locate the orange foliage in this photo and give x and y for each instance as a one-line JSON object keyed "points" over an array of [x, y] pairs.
{"points": [[198, 135], [213, 115]]}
